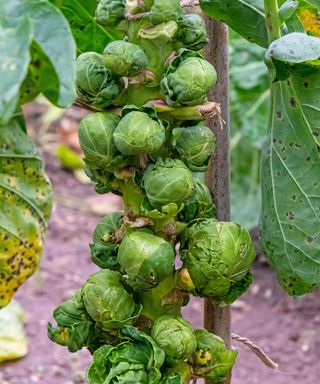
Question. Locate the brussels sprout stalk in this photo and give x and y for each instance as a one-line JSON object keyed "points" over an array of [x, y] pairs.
{"points": [[149, 94], [132, 196], [159, 42], [165, 299]]}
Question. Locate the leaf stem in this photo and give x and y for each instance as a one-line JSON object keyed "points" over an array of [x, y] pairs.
{"points": [[272, 20]]}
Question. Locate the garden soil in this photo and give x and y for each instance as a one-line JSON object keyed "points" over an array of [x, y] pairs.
{"points": [[286, 328]]}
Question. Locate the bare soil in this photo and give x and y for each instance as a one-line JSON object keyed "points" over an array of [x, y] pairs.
{"points": [[286, 328]]}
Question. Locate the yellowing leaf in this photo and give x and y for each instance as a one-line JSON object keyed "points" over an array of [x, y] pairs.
{"points": [[25, 204], [310, 19], [13, 341]]}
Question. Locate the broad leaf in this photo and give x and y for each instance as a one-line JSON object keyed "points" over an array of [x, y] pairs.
{"points": [[290, 50], [89, 35], [13, 340], [25, 203], [242, 16], [294, 48], [52, 35], [290, 220], [259, 4], [309, 17], [14, 61], [301, 16]]}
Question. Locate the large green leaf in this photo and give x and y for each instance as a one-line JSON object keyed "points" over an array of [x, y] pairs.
{"points": [[14, 61], [290, 220], [242, 16], [25, 204], [292, 49], [89, 35], [52, 35]]}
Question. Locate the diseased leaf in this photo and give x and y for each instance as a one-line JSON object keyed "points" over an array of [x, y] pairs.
{"points": [[290, 220], [301, 16], [52, 35], [25, 204], [13, 340], [14, 61], [294, 48], [310, 20], [291, 50], [242, 16], [89, 35]]}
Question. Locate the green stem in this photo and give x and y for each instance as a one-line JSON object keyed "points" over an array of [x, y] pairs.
{"points": [[162, 300], [132, 197], [271, 10]]}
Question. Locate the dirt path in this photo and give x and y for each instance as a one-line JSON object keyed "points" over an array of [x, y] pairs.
{"points": [[288, 329]]}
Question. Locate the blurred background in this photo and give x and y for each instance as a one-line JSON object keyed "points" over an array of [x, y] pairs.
{"points": [[287, 329]]}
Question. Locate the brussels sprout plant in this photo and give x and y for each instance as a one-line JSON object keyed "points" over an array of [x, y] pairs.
{"points": [[138, 66], [144, 141]]}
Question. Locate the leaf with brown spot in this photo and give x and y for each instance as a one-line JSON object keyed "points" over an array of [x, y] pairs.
{"points": [[310, 19], [25, 205], [290, 219]]}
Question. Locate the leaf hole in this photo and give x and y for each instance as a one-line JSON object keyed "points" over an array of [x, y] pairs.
{"points": [[293, 102], [310, 239]]}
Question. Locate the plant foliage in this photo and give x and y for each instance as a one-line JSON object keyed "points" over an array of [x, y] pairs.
{"points": [[290, 156]]}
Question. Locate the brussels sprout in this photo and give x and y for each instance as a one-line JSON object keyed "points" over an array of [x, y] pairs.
{"points": [[192, 32], [218, 256], [175, 336], [146, 259], [194, 146], [199, 204], [124, 59], [179, 374], [165, 10], [188, 80], [138, 133], [105, 246], [96, 140], [212, 360], [107, 301], [110, 12], [137, 360], [75, 327], [95, 84], [168, 181], [134, 7]]}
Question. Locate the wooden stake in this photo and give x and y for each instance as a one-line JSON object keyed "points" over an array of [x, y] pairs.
{"points": [[218, 319]]}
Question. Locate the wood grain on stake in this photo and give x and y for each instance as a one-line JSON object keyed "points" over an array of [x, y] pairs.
{"points": [[218, 319]]}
